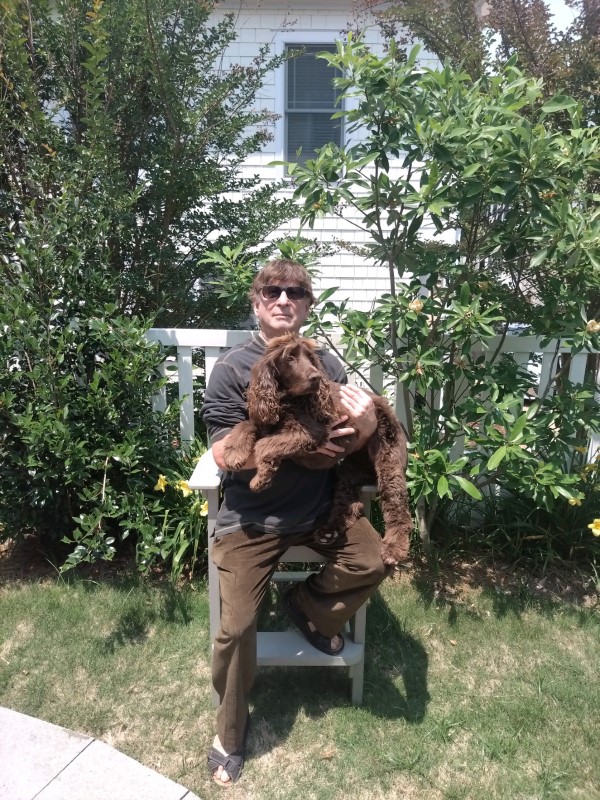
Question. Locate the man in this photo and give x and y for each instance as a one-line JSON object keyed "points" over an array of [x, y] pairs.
{"points": [[253, 530]]}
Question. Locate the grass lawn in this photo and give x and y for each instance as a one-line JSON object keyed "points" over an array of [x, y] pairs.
{"points": [[479, 684]]}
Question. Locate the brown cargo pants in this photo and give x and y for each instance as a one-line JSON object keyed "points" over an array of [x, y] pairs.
{"points": [[246, 561]]}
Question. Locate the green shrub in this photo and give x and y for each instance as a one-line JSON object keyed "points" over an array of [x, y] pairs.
{"points": [[80, 446]]}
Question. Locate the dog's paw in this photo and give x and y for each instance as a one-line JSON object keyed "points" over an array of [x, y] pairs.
{"points": [[233, 461], [258, 483], [395, 550]]}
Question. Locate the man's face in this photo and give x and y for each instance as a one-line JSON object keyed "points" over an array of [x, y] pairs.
{"points": [[282, 314]]}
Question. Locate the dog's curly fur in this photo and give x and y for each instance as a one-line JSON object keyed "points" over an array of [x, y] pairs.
{"points": [[292, 409]]}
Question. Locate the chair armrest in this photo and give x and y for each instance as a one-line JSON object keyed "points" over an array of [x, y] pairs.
{"points": [[206, 474]]}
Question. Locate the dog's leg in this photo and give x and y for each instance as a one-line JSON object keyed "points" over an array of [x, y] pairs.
{"points": [[272, 450], [346, 508], [239, 445], [390, 467], [388, 451]]}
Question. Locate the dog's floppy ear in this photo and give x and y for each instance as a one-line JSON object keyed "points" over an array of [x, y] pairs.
{"points": [[263, 394], [322, 402]]}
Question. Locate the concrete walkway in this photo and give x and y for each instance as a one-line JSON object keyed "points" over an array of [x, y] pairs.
{"points": [[41, 761]]}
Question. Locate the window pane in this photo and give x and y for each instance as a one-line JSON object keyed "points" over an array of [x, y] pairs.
{"points": [[310, 81], [311, 131]]}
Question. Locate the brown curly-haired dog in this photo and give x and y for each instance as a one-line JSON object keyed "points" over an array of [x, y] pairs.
{"points": [[292, 407]]}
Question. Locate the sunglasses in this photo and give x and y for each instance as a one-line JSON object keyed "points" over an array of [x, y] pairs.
{"points": [[292, 292]]}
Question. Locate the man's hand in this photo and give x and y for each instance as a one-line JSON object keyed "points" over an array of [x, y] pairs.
{"points": [[361, 423], [332, 448], [361, 413]]}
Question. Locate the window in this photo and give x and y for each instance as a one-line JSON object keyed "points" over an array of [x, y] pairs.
{"points": [[310, 102]]}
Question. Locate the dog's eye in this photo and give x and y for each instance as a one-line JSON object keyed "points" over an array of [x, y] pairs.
{"points": [[292, 359]]}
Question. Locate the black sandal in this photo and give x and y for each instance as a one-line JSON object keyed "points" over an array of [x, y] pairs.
{"points": [[333, 645], [233, 764]]}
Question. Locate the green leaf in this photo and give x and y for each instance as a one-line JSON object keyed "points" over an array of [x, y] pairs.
{"points": [[497, 457], [468, 487], [565, 492], [473, 188], [594, 261], [442, 486], [327, 294], [517, 428], [559, 102], [471, 170], [539, 257]]}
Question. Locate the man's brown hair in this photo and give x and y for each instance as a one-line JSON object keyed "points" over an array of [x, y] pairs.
{"points": [[282, 272]]}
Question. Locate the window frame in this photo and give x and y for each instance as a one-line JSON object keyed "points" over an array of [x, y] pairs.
{"points": [[288, 112], [294, 40]]}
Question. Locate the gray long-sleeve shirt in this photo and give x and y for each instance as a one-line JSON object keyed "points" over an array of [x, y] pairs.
{"points": [[298, 496]]}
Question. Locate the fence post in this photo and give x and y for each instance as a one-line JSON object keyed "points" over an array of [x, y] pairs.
{"points": [[186, 395]]}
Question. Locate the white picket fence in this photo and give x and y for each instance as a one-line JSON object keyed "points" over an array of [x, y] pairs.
{"points": [[526, 350]]}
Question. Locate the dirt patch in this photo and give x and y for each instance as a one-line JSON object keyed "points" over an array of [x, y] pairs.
{"points": [[453, 580], [21, 634], [26, 560], [458, 580]]}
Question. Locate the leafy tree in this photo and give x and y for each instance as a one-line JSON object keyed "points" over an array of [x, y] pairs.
{"points": [[482, 37], [489, 159], [133, 91], [450, 29]]}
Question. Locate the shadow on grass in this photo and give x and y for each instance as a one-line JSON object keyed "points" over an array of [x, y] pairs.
{"points": [[132, 628], [177, 606], [395, 683], [142, 610]]}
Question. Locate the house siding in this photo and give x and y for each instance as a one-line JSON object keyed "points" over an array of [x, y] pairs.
{"points": [[276, 23]]}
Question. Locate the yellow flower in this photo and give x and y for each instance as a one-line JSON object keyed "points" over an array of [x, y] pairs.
{"points": [[204, 509], [593, 326], [183, 488], [161, 483], [574, 501], [595, 527], [416, 306], [581, 450]]}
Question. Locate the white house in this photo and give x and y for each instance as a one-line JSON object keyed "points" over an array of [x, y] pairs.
{"points": [[302, 94]]}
